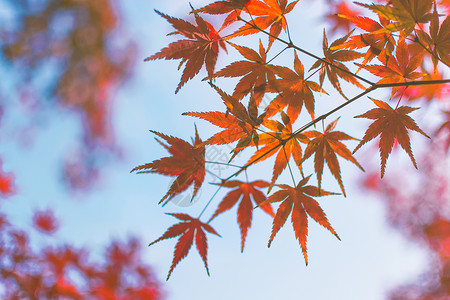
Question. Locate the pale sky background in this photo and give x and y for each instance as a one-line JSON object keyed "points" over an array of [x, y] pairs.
{"points": [[371, 259]]}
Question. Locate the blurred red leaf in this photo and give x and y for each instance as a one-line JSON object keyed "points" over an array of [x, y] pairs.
{"points": [[45, 221]]}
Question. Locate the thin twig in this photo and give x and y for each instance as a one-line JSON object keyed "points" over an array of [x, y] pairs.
{"points": [[291, 45]]}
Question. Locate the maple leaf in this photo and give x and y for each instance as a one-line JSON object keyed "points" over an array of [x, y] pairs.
{"points": [[280, 140], [438, 41], [377, 42], [45, 221], [244, 191], [240, 125], [405, 13], [201, 47], [298, 201], [231, 7], [390, 124], [325, 146], [269, 13], [257, 73], [293, 91], [188, 229], [400, 68], [187, 163], [336, 57]]}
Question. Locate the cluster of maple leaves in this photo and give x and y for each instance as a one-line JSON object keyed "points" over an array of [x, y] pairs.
{"points": [[411, 38]]}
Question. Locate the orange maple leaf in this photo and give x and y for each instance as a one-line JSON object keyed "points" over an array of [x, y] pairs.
{"points": [[336, 57], [244, 191], [391, 125], [280, 140], [400, 68], [188, 229], [298, 201], [325, 146], [257, 73], [240, 125], [293, 91], [269, 13], [187, 163], [405, 14], [377, 42], [201, 47]]}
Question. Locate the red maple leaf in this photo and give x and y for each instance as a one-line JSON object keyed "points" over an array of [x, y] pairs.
{"points": [[45, 221], [188, 229], [325, 146], [187, 163], [400, 68], [298, 201], [391, 125], [201, 47], [293, 90], [335, 58], [244, 191], [241, 125], [377, 42], [256, 73]]}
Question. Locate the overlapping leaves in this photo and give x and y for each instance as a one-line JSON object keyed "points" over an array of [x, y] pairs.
{"points": [[255, 71], [325, 146], [240, 123], [405, 14], [294, 91], [335, 58], [281, 141]]}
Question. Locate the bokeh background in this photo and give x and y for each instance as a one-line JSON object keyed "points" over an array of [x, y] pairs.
{"points": [[77, 102]]}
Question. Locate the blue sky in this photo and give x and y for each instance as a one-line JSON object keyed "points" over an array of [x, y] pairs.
{"points": [[371, 258]]}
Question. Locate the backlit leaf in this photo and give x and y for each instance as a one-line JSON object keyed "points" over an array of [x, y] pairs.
{"points": [[187, 163], [391, 125], [189, 228]]}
